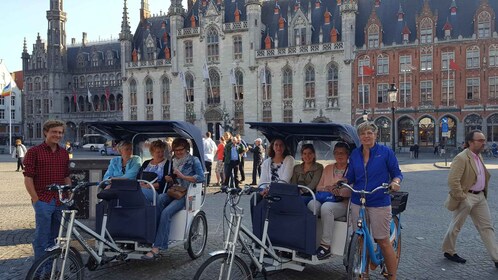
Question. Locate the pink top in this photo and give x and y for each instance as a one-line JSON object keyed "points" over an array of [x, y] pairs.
{"points": [[481, 179], [330, 176]]}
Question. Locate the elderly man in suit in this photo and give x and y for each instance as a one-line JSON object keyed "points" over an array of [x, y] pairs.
{"points": [[468, 182]]}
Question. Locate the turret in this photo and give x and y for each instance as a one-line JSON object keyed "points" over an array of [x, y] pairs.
{"points": [[253, 11], [349, 9], [144, 10], [25, 56], [176, 20]]}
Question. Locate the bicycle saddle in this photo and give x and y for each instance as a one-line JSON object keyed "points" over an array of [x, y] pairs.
{"points": [[108, 195]]}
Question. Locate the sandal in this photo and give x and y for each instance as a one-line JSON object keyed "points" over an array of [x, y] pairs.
{"points": [[322, 252], [148, 258]]}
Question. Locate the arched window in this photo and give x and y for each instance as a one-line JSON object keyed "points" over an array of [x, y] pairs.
{"points": [[484, 25], [473, 57], [149, 99], [81, 104], [45, 82], [96, 103], [332, 86], [112, 80], [67, 105], [287, 83], [373, 36], [492, 129], [493, 56], [472, 122], [96, 80], [212, 45], [133, 100], [149, 95], [426, 132], [238, 87], [165, 98], [452, 130], [89, 80], [103, 103], [426, 31], [309, 86], [266, 82], [37, 83], [213, 88], [189, 80], [119, 102], [151, 49], [384, 125], [405, 132]]}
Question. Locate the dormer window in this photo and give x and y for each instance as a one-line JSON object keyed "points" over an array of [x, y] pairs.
{"points": [[151, 49], [426, 31], [373, 36], [484, 25]]}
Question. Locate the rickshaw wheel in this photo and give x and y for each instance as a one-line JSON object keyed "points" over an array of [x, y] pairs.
{"points": [[197, 235]]}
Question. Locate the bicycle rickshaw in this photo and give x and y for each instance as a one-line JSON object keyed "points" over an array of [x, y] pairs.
{"points": [[126, 223], [282, 223]]}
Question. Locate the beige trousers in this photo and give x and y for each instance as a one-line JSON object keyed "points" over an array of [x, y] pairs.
{"points": [[476, 206]]}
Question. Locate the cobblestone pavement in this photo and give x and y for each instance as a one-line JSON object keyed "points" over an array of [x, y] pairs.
{"points": [[424, 224]]}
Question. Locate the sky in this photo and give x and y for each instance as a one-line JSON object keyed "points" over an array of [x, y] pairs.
{"points": [[100, 19]]}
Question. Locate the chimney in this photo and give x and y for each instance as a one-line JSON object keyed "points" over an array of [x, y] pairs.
{"points": [[85, 40], [73, 41]]}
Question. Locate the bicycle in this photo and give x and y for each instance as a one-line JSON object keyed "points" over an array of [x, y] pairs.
{"points": [[226, 264], [63, 261], [362, 249]]}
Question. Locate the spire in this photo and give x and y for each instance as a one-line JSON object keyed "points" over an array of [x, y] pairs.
{"points": [[144, 10], [401, 13], [24, 46], [453, 8], [125, 25]]}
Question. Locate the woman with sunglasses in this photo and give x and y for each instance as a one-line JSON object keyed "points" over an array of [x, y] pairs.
{"points": [[187, 169], [309, 172], [330, 203], [124, 166]]}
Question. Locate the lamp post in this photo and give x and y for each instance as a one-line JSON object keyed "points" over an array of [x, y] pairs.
{"points": [[365, 116], [393, 98]]}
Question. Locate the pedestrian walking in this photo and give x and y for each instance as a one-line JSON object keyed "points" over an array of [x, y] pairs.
{"points": [[232, 155], [415, 150], [258, 153], [412, 151], [219, 162], [468, 182], [242, 158], [210, 149], [45, 164], [19, 152]]}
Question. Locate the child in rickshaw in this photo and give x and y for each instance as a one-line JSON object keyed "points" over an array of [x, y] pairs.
{"points": [[309, 172], [187, 169], [329, 200]]}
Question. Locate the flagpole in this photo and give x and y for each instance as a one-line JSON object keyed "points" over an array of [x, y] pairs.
{"points": [[448, 87], [10, 122], [362, 88]]}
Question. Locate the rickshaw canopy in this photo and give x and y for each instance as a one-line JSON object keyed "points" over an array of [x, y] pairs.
{"points": [[293, 133], [136, 131]]}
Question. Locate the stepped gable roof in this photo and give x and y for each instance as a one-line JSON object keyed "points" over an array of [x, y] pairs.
{"points": [[100, 47], [288, 11], [229, 10], [157, 26], [387, 12]]}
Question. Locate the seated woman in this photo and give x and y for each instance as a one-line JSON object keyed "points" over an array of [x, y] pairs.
{"points": [[186, 169], [126, 165], [158, 165], [329, 198], [279, 164], [309, 172]]}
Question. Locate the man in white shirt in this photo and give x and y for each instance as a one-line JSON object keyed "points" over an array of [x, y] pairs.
{"points": [[210, 149]]}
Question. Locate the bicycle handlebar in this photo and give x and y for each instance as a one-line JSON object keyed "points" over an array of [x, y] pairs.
{"points": [[63, 189], [383, 186]]}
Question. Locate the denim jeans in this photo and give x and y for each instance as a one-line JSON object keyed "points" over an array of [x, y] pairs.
{"points": [[47, 218], [168, 207]]}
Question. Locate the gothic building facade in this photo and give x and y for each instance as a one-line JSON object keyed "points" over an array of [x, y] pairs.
{"points": [[78, 83], [222, 63], [443, 57]]}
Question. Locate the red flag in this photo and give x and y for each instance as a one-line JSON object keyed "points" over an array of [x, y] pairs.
{"points": [[75, 99], [107, 93], [453, 65], [367, 71]]}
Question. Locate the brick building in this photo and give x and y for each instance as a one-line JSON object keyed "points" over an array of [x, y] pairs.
{"points": [[443, 58]]}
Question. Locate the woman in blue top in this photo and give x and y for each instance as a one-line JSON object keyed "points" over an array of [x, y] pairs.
{"points": [[126, 165], [370, 166], [186, 169]]}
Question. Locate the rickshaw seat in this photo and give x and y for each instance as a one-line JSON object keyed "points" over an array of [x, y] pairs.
{"points": [[130, 216], [291, 224]]}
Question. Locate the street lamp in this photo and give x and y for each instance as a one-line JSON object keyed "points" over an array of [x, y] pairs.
{"points": [[365, 116], [393, 98]]}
